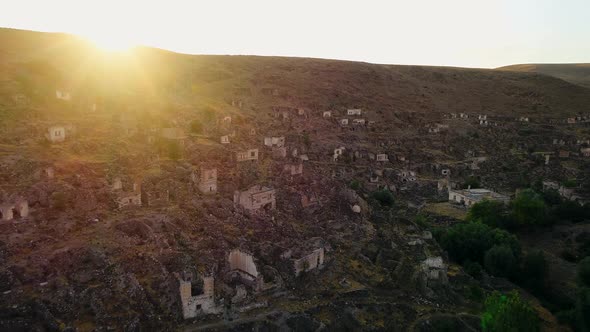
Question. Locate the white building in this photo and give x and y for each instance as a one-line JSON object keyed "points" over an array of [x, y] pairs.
{"points": [[469, 197]]}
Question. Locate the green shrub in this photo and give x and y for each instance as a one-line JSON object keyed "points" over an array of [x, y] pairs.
{"points": [[474, 269], [355, 185], [507, 313], [534, 270], [384, 197], [500, 261]]}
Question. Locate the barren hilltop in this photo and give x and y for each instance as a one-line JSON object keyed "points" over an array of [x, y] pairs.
{"points": [[577, 73], [151, 190]]}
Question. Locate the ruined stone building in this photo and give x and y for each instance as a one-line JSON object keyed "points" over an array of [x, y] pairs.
{"points": [[251, 154], [174, 134], [382, 157], [279, 152], [208, 181], [358, 122], [327, 114], [255, 198], [63, 95], [129, 196], [294, 169], [338, 152], [307, 257], [343, 122], [469, 197], [435, 270], [355, 111], [17, 209], [225, 139], [407, 176], [274, 141], [243, 268], [194, 305], [56, 134]]}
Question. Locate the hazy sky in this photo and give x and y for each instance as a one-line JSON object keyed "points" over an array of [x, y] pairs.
{"points": [[467, 33]]}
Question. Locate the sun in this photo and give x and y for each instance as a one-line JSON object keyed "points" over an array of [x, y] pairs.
{"points": [[111, 42]]}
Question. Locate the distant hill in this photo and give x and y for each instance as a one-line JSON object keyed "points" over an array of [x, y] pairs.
{"points": [[577, 73], [50, 60]]}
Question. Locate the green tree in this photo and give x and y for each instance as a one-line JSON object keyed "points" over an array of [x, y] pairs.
{"points": [[528, 208], [491, 213], [500, 261], [508, 313]]}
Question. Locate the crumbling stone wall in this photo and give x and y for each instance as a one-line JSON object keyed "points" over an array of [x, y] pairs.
{"points": [[309, 262], [195, 305]]}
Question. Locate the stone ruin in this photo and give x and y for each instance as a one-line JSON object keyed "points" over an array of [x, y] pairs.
{"points": [[251, 154], [203, 303], [308, 257], [56, 134], [130, 196], [382, 157], [207, 181], [274, 141], [355, 111], [63, 95], [14, 210], [243, 269], [435, 270], [256, 198], [294, 169]]}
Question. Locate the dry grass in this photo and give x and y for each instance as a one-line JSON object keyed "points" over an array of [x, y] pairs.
{"points": [[446, 209]]}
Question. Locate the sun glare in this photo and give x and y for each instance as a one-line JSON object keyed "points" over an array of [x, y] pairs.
{"points": [[112, 42]]}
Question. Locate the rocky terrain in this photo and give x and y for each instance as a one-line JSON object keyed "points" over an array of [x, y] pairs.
{"points": [[113, 155]]}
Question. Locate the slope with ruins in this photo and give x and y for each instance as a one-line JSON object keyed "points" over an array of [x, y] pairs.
{"points": [[165, 226]]}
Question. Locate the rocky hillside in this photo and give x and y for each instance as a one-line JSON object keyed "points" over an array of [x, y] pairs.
{"points": [[576, 73], [151, 190]]}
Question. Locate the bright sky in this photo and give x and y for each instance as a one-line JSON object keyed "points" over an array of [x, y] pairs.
{"points": [[466, 33]]}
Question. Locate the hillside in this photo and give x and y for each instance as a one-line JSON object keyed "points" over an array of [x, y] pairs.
{"points": [[295, 81], [150, 190], [576, 73]]}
